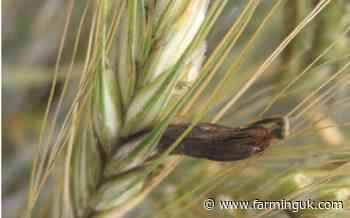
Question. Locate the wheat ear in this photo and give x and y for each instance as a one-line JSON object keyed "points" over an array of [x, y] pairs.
{"points": [[156, 61]]}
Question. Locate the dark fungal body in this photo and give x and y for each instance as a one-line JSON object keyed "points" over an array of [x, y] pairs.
{"points": [[220, 143]]}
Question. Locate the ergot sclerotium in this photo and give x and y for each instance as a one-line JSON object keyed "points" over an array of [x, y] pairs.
{"points": [[220, 143]]}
